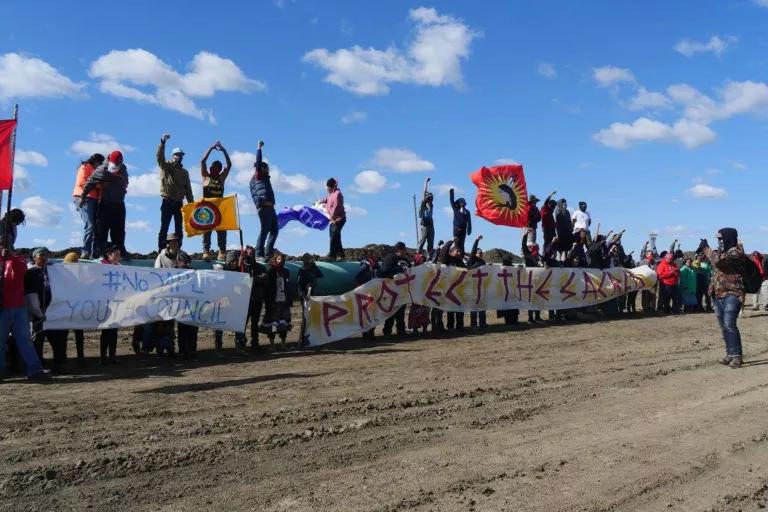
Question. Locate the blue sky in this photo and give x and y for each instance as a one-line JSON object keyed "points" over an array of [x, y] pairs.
{"points": [[655, 116]]}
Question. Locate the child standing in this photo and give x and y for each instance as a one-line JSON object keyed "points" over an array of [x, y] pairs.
{"points": [[108, 337], [277, 299], [418, 316]]}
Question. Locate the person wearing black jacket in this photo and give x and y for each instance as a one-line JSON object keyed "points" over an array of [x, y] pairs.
{"points": [[37, 291], [370, 268], [395, 263], [477, 318], [277, 300], [451, 256], [532, 258], [462, 221], [258, 273], [563, 227], [534, 217]]}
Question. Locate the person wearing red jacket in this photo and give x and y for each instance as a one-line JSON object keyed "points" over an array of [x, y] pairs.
{"points": [[761, 297], [14, 318], [669, 277]]}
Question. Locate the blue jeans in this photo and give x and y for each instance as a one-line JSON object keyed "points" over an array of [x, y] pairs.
{"points": [[727, 311], [269, 230], [169, 210], [16, 321], [88, 214], [334, 230]]}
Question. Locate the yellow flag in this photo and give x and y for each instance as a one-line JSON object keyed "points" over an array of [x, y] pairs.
{"points": [[210, 214]]}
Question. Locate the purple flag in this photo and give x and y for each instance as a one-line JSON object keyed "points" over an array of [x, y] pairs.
{"points": [[309, 216]]}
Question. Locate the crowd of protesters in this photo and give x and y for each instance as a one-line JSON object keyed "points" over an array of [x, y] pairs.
{"points": [[705, 281]]}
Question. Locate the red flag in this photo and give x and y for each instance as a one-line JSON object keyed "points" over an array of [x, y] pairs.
{"points": [[502, 197], [6, 163]]}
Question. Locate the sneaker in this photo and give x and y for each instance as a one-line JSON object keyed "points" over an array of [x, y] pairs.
{"points": [[207, 255], [40, 376], [735, 362], [85, 255], [726, 360], [222, 256]]}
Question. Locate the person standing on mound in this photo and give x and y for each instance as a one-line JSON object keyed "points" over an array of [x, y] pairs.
{"points": [[334, 202], [213, 186], [264, 198], [174, 187], [462, 222]]}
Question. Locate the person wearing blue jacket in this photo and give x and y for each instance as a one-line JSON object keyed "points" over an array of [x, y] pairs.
{"points": [[264, 199], [462, 222], [426, 222]]}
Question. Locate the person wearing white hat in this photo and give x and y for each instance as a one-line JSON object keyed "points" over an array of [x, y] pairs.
{"points": [[174, 188]]}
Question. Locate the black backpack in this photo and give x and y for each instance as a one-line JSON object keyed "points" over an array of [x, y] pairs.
{"points": [[751, 276]]}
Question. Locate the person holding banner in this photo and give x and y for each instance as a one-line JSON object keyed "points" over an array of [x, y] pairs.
{"points": [[395, 263], [174, 188], [278, 300], [334, 202], [108, 337], [451, 255], [213, 186], [264, 198], [14, 318]]}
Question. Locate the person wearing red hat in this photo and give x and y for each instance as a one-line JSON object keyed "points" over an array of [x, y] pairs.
{"points": [[111, 178]]}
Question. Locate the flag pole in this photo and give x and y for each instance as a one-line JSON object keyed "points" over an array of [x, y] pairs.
{"points": [[416, 220], [8, 208]]}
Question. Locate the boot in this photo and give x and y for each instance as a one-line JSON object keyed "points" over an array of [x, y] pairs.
{"points": [[735, 362], [207, 255], [726, 360]]}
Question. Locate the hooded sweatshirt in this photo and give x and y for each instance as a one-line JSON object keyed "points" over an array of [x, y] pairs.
{"points": [[668, 273], [727, 266]]}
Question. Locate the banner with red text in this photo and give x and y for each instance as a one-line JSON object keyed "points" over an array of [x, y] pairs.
{"points": [[490, 287]]}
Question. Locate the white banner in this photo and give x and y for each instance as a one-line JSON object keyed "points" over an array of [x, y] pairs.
{"points": [[93, 296], [490, 287]]}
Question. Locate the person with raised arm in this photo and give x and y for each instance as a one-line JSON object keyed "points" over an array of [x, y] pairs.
{"points": [[213, 186], [174, 188], [548, 219], [264, 198], [462, 222], [426, 221]]}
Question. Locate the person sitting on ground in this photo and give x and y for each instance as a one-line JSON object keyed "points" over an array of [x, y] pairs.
{"points": [[462, 221], [108, 337], [278, 300], [174, 188], [418, 316], [37, 289], [477, 319], [452, 257], [395, 263], [213, 186], [727, 288]]}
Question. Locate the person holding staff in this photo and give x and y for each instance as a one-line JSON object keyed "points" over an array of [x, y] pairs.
{"points": [[426, 222]]}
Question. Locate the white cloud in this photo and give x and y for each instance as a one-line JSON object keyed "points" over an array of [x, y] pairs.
{"points": [[401, 160], [141, 76], [30, 158], [433, 58], [21, 179], [354, 117], [145, 185], [546, 70], [355, 211], [44, 242], [738, 165], [622, 135], [648, 100], [137, 225], [444, 188], [706, 191], [246, 205], [135, 206], [370, 182], [715, 45], [447, 211], [283, 183], [28, 77], [610, 75], [99, 143], [41, 212], [505, 161], [296, 230], [761, 3], [75, 238]]}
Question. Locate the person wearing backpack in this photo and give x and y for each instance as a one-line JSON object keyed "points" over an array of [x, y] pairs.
{"points": [[727, 286]]}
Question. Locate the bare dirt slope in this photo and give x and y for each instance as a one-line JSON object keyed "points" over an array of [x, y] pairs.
{"points": [[633, 414]]}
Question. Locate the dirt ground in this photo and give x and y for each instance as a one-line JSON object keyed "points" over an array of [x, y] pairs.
{"points": [[633, 414]]}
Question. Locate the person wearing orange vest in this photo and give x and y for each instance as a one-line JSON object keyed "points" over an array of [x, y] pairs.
{"points": [[88, 207]]}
